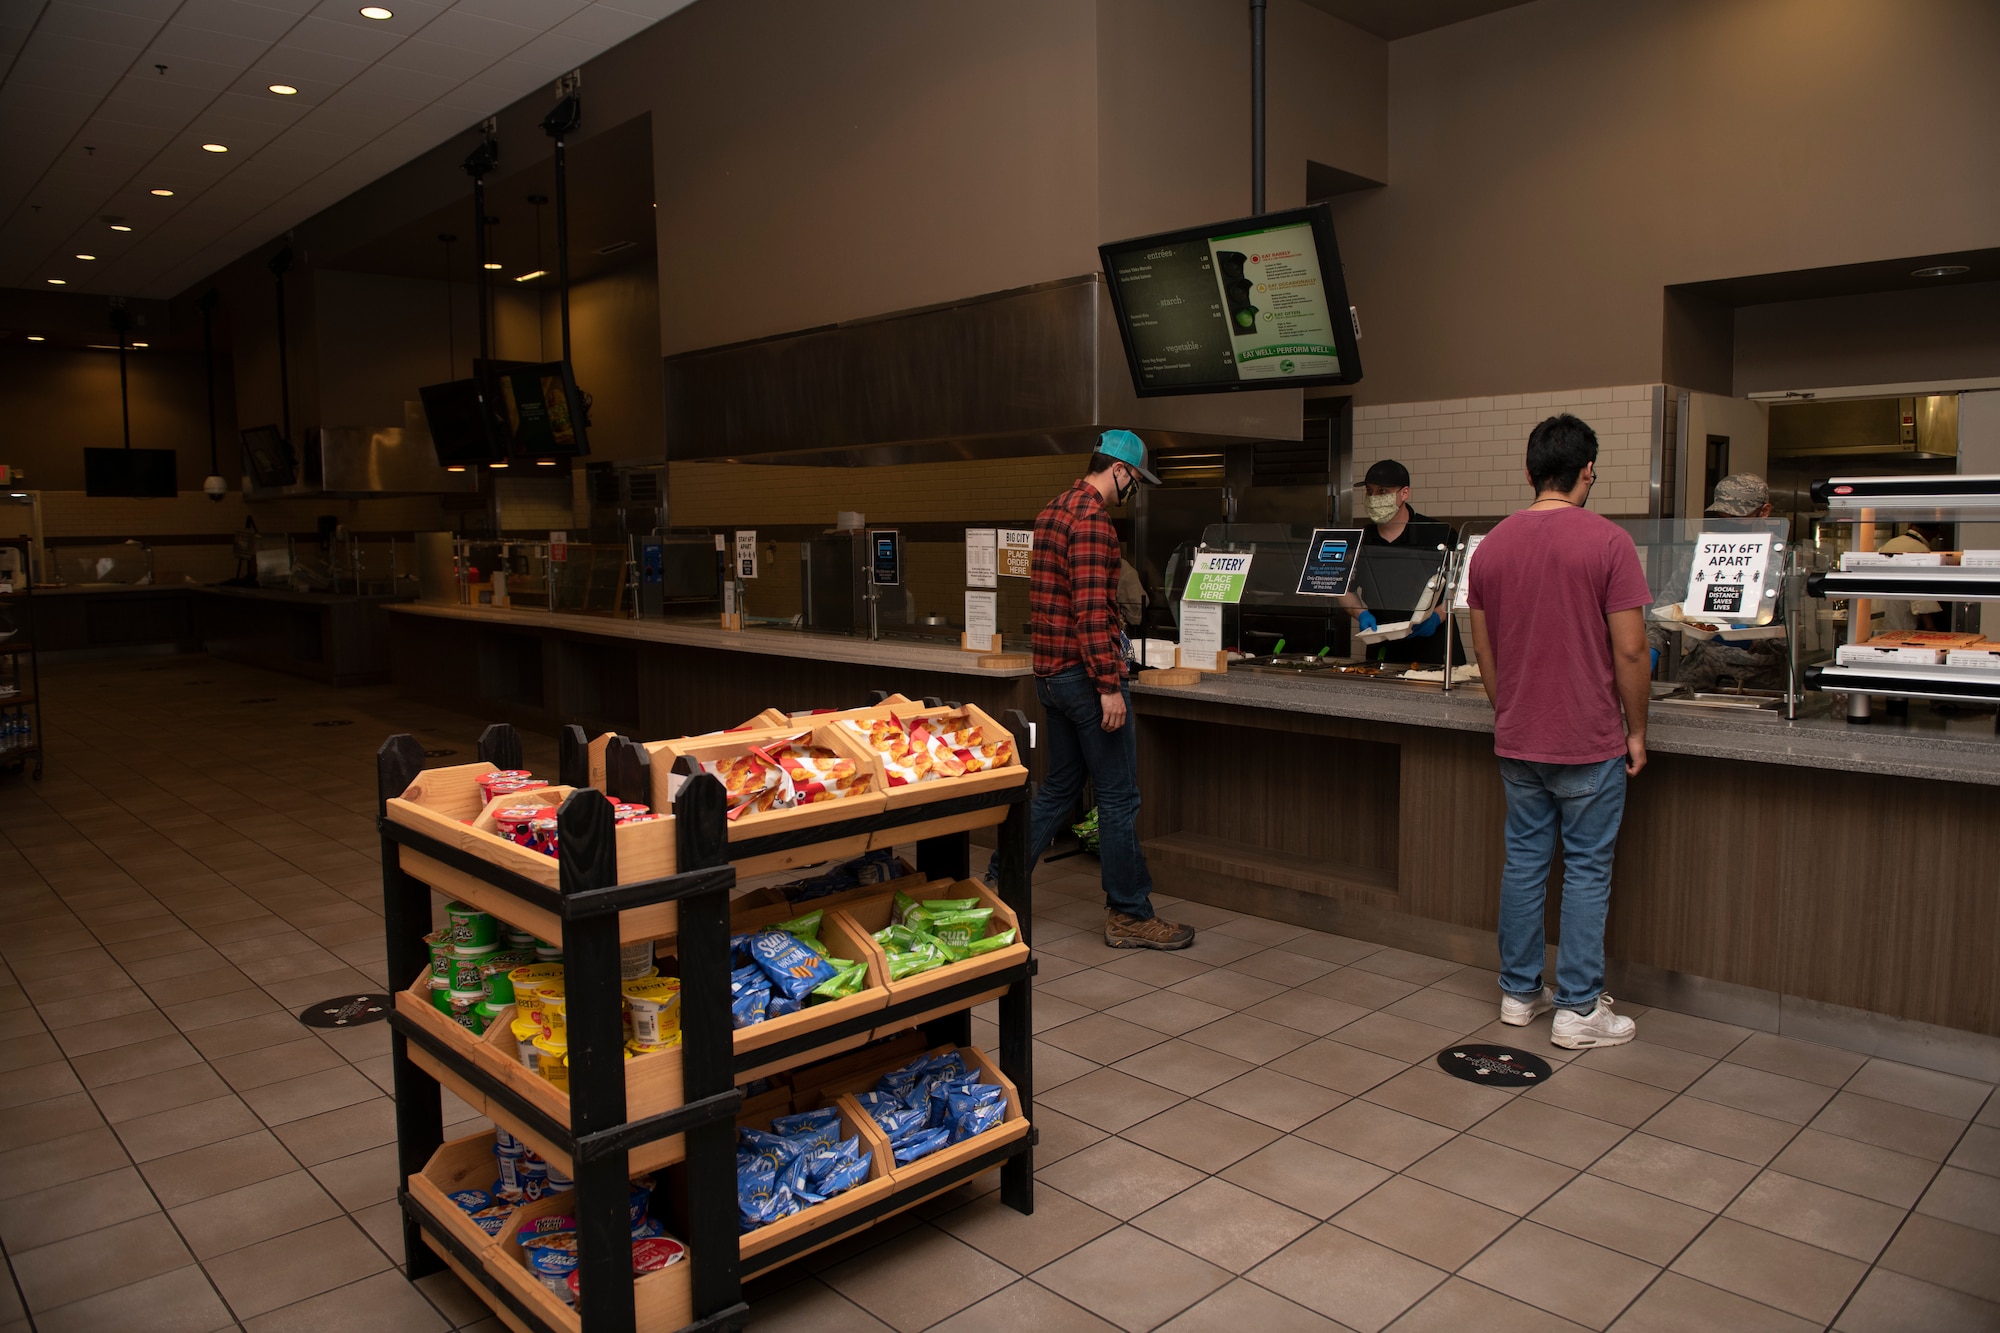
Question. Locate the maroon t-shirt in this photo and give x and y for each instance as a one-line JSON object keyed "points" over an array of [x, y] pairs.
{"points": [[1546, 579]]}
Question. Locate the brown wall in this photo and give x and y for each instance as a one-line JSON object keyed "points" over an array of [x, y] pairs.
{"points": [[1881, 338], [1555, 165], [61, 401], [615, 342]]}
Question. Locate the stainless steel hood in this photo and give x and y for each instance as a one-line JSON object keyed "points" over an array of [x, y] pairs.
{"points": [[362, 462], [1035, 370], [1914, 427]]}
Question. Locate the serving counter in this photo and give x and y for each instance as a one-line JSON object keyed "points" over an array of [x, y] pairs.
{"points": [[1826, 881], [651, 679], [1831, 882]]}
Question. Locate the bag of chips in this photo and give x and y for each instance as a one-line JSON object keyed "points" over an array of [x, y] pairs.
{"points": [[796, 1124], [974, 1109], [750, 996], [804, 927], [793, 968], [921, 1143], [849, 979], [970, 745], [922, 958], [990, 943], [958, 927], [760, 1198], [899, 909]]}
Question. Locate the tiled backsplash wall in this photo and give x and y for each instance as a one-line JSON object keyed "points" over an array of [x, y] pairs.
{"points": [[1467, 455]]}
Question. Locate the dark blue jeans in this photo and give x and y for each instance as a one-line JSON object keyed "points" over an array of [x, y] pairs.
{"points": [[1076, 743], [1581, 804]]}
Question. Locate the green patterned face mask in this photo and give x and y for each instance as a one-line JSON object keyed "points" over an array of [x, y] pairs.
{"points": [[1382, 508]]}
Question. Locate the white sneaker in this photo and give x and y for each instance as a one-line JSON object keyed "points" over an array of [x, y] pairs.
{"points": [[1599, 1027], [1519, 1013]]}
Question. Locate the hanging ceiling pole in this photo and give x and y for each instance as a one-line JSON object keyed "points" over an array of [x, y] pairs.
{"points": [[280, 264], [119, 321], [208, 300], [478, 162], [1257, 106], [450, 313], [565, 119]]}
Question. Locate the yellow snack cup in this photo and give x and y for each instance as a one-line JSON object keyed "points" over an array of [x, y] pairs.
{"points": [[553, 1065], [655, 1006]]}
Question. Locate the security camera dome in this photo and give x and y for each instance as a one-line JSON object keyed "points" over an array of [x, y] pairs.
{"points": [[215, 488]]}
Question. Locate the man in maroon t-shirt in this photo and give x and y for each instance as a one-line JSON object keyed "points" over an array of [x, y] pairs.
{"points": [[1558, 620]]}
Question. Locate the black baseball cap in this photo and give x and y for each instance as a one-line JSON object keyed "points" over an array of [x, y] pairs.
{"points": [[1386, 472]]}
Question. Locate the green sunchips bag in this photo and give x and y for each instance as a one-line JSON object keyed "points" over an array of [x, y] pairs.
{"points": [[920, 959], [959, 927], [849, 980], [989, 944], [805, 927], [930, 909], [900, 907], [899, 937]]}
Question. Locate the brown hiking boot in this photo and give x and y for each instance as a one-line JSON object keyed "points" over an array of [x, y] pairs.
{"points": [[1129, 932]]}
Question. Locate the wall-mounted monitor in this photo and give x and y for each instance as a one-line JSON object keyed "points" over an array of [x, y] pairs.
{"points": [[129, 473], [464, 428], [1253, 303], [540, 411], [267, 457]]}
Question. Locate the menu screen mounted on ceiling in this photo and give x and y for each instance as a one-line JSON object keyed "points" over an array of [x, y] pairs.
{"points": [[1255, 303]]}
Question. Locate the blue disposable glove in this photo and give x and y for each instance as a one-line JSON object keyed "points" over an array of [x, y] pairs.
{"points": [[1656, 657], [1427, 627], [1366, 620]]}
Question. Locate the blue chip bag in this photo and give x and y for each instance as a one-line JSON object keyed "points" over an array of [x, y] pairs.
{"points": [[782, 1004], [899, 1083], [750, 996], [922, 1143], [971, 1116], [951, 1064], [793, 968], [904, 1120], [797, 1178], [773, 1148], [739, 949], [872, 1101], [757, 1196], [839, 1168], [826, 1116]]}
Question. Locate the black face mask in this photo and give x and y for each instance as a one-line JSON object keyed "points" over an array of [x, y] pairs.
{"points": [[1126, 487]]}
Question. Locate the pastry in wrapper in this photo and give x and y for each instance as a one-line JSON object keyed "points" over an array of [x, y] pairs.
{"points": [[968, 741], [782, 774], [911, 751]]}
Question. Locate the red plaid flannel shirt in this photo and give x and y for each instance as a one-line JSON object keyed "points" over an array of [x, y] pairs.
{"points": [[1073, 592]]}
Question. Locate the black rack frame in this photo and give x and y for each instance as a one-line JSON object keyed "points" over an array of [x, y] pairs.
{"points": [[600, 1137], [25, 643]]}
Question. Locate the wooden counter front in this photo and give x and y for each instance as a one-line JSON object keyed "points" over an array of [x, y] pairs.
{"points": [[1772, 896]]}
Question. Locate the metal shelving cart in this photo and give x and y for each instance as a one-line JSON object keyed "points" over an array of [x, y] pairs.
{"points": [[603, 1140], [20, 669]]}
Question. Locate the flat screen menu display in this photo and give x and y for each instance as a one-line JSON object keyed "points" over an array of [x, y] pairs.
{"points": [[129, 473], [1255, 303]]}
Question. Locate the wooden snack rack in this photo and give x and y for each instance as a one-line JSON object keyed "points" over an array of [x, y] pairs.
{"points": [[672, 1112]]}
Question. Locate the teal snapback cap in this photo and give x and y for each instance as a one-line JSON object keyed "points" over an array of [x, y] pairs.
{"points": [[1127, 448]]}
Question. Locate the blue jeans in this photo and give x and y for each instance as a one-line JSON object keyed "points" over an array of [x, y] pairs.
{"points": [[1583, 804], [1076, 743]]}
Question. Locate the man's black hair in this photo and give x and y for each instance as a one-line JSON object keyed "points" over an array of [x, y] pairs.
{"points": [[1387, 472], [1099, 462], [1558, 449]]}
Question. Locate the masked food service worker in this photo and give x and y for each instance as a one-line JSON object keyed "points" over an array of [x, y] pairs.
{"points": [[1392, 522]]}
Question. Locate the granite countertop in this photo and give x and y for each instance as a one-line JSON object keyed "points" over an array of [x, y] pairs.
{"points": [[767, 642], [1960, 750]]}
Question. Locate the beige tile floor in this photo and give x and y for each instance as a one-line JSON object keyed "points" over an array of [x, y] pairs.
{"points": [[1248, 1135]]}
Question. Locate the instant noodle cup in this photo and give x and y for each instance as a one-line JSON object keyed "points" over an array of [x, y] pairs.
{"points": [[635, 960], [466, 964], [655, 1006], [525, 1031], [471, 928], [528, 979], [545, 1005]]}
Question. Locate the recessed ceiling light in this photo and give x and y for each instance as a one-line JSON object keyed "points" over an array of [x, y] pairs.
{"points": [[494, 265], [215, 148], [35, 338], [86, 256], [284, 89], [376, 12], [119, 226], [58, 282], [1941, 271], [528, 277], [164, 194]]}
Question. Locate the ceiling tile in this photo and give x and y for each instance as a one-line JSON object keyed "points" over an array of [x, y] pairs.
{"points": [[286, 63], [180, 41], [152, 9], [185, 71], [603, 25], [453, 63], [115, 27], [341, 39], [537, 14], [472, 33], [235, 18]]}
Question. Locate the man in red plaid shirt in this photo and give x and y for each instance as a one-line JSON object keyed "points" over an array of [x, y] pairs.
{"points": [[1082, 669]]}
